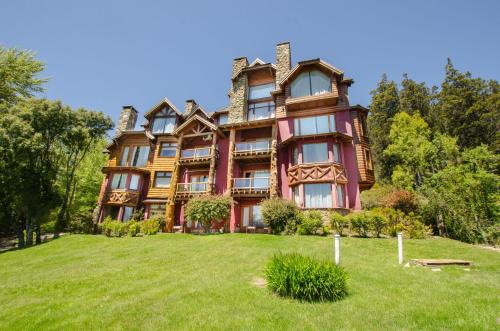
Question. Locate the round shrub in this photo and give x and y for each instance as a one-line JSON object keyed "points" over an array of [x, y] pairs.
{"points": [[360, 223], [280, 215], [304, 278], [338, 222], [310, 222]]}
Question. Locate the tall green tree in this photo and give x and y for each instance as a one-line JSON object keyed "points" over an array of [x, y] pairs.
{"points": [[415, 98], [384, 106], [19, 70]]}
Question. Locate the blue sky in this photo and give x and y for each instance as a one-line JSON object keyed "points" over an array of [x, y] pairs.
{"points": [[105, 54]]}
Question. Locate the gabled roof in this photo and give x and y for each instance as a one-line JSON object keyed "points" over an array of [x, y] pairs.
{"points": [[257, 61], [160, 104], [195, 117], [117, 136], [359, 107], [193, 112], [302, 64]]}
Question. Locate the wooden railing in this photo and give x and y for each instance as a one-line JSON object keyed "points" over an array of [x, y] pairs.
{"points": [[255, 183], [195, 153], [330, 172], [192, 187], [253, 146]]}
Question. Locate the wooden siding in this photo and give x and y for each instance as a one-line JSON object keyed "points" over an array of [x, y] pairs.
{"points": [[361, 143], [160, 164]]}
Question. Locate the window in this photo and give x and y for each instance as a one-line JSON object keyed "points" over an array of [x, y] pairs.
{"points": [[157, 209], [312, 153], [311, 83], [134, 182], [127, 213], [258, 178], [112, 211], [162, 179], [340, 196], [140, 156], [336, 153], [252, 216], [314, 125], [260, 111], [119, 181], [223, 119], [199, 183], [124, 158], [168, 149], [364, 127], [296, 195], [318, 195], [164, 121], [295, 155], [260, 91], [368, 160]]}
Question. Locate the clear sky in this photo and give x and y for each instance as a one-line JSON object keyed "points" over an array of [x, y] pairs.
{"points": [[105, 54]]}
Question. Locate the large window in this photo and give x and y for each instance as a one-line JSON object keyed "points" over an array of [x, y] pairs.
{"points": [[119, 181], [304, 126], [260, 91], [164, 121], [260, 110], [223, 119], [157, 209], [127, 213], [314, 153], [162, 179], [340, 196], [168, 149], [252, 216], [318, 195], [311, 83], [140, 156], [134, 182], [336, 153]]}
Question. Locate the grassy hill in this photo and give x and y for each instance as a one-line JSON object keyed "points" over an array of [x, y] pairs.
{"points": [[207, 282]]}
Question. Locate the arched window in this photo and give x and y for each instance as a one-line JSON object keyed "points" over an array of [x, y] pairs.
{"points": [[164, 121], [311, 83]]}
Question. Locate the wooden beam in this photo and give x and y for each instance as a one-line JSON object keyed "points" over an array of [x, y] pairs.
{"points": [[230, 161], [273, 185], [211, 171], [170, 210]]}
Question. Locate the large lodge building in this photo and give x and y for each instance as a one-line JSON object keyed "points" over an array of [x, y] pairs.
{"points": [[287, 132]]}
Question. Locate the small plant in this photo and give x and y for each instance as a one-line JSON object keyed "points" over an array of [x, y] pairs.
{"points": [[304, 278], [378, 223], [311, 222], [280, 214], [151, 226], [360, 223], [338, 222], [134, 228]]}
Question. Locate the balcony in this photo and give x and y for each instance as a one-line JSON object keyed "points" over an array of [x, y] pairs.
{"points": [[255, 151], [328, 172], [312, 101], [187, 190], [251, 187], [121, 197], [195, 156]]}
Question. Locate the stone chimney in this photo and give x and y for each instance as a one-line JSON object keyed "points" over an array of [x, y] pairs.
{"points": [[283, 60], [238, 92], [128, 118], [190, 106]]}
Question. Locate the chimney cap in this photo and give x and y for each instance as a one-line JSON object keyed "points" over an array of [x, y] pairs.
{"points": [[283, 43], [240, 58], [130, 107]]}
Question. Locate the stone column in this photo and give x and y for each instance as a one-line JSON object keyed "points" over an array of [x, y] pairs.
{"points": [[170, 210], [238, 92], [213, 159], [273, 182], [230, 162]]}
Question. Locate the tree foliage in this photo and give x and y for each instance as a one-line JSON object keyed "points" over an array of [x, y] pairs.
{"points": [[207, 209]]}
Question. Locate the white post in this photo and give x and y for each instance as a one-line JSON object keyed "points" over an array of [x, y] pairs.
{"points": [[400, 247], [337, 248]]}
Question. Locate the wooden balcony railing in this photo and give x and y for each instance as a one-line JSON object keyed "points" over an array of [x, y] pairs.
{"points": [[121, 196], [256, 186], [196, 156], [329, 172], [253, 151], [193, 187]]}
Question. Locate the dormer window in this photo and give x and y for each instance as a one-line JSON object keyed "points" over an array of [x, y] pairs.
{"points": [[164, 121], [260, 91], [223, 119], [310, 83]]}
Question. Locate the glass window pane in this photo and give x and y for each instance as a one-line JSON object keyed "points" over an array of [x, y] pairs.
{"points": [[295, 155], [116, 181], [300, 86], [296, 195], [257, 216], [127, 213], [222, 119], [124, 159], [320, 83], [307, 126], [163, 179], [158, 124], [123, 181], [336, 153], [246, 215], [322, 124], [134, 182], [141, 156], [260, 91], [312, 153], [318, 195], [333, 127], [340, 196], [168, 150], [169, 125]]}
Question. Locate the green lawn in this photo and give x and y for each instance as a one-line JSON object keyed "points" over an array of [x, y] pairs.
{"points": [[175, 281]]}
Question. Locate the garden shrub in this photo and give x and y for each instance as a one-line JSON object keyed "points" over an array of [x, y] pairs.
{"points": [[112, 228], [310, 222], [134, 228], [151, 226], [207, 209], [338, 222], [377, 222], [360, 223], [376, 196], [403, 200], [279, 214], [304, 278], [81, 222]]}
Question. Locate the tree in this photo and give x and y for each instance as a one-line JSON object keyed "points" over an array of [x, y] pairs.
{"points": [[207, 209], [415, 98], [83, 130], [19, 71], [384, 106]]}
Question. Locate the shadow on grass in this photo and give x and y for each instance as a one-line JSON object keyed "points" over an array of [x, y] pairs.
{"points": [[8, 244]]}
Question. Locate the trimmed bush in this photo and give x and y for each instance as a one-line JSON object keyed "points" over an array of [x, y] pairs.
{"points": [[310, 222], [112, 228], [338, 222], [280, 215], [378, 223], [360, 223], [134, 228], [151, 226], [304, 278]]}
